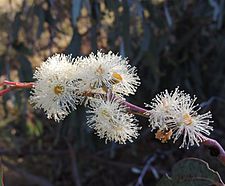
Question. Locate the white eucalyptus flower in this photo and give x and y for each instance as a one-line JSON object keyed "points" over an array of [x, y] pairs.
{"points": [[187, 122], [55, 87], [107, 71], [174, 114], [161, 107], [111, 121]]}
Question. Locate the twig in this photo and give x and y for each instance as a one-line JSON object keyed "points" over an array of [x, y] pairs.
{"points": [[75, 174], [5, 91], [215, 148], [167, 14], [144, 170], [137, 110], [18, 84], [32, 179], [2, 173], [14, 153], [14, 85], [112, 163]]}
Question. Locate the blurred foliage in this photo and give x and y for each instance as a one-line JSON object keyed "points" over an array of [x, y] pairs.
{"points": [[172, 43]]}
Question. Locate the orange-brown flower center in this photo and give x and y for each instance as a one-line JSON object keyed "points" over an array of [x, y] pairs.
{"points": [[58, 89]]}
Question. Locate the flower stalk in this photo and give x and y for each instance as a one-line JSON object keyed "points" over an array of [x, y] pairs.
{"points": [[136, 109], [214, 147], [100, 82]]}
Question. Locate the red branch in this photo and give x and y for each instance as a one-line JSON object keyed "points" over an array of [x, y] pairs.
{"points": [[14, 85], [19, 84], [215, 148], [5, 91]]}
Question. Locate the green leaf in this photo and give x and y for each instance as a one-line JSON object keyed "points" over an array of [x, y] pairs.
{"points": [[125, 28], [75, 43], [191, 172], [76, 7], [16, 27], [25, 71], [41, 19], [34, 128], [1, 65]]}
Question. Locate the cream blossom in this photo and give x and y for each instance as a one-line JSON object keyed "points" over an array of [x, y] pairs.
{"points": [[55, 87], [63, 82], [185, 121], [107, 71], [162, 105], [110, 119], [175, 114]]}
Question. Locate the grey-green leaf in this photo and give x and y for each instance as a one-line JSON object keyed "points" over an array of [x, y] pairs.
{"points": [[76, 7], [25, 71], [191, 172]]}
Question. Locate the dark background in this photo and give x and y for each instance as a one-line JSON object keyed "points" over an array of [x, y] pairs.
{"points": [[172, 43]]}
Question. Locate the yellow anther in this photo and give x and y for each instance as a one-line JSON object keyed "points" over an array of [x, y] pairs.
{"points": [[58, 89], [106, 113], [116, 77], [187, 119], [104, 88]]}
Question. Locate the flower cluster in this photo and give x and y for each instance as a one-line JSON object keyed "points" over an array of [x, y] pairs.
{"points": [[100, 82], [107, 71], [175, 114], [63, 82]]}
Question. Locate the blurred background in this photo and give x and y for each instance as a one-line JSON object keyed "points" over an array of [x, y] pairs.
{"points": [[172, 43]]}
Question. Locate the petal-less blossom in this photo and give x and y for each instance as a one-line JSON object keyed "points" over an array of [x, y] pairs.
{"points": [[161, 107], [55, 87], [107, 71], [187, 122], [110, 119], [175, 114]]}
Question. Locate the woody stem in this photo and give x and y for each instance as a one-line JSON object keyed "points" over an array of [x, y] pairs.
{"points": [[215, 149], [18, 84], [14, 85]]}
